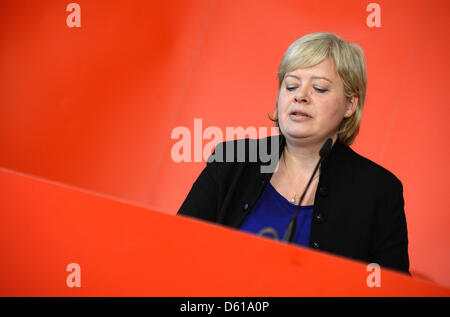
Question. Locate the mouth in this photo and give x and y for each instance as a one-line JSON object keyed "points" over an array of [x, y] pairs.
{"points": [[299, 115]]}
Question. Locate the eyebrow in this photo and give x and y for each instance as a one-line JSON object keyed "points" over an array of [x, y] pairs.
{"points": [[313, 77]]}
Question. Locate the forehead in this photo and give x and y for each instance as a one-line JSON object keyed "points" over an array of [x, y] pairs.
{"points": [[326, 68]]}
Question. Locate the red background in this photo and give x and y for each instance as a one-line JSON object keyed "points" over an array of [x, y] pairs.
{"points": [[94, 106]]}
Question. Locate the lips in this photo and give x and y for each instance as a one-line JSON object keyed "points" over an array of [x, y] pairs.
{"points": [[300, 113]]}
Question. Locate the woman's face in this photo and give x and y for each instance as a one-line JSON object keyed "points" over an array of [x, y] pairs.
{"points": [[317, 91]]}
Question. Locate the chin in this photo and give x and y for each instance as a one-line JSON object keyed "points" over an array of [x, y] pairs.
{"points": [[297, 135], [296, 131]]}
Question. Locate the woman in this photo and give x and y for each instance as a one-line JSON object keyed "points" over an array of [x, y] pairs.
{"points": [[353, 207]]}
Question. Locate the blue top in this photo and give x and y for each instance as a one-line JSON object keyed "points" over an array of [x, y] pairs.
{"points": [[271, 214]]}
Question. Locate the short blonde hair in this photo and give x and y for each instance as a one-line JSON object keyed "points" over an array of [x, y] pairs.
{"points": [[348, 57]]}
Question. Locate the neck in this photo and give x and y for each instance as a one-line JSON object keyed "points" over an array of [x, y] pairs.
{"points": [[302, 158]]}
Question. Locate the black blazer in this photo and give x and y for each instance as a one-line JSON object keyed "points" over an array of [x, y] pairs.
{"points": [[358, 208]]}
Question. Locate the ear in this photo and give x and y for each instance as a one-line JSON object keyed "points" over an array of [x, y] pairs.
{"points": [[352, 103]]}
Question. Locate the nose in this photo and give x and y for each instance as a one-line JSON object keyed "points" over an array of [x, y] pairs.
{"points": [[301, 96]]}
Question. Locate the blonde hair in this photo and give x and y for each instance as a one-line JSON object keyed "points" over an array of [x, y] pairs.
{"points": [[348, 57]]}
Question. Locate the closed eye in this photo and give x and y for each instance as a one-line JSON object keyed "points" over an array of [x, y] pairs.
{"points": [[321, 91]]}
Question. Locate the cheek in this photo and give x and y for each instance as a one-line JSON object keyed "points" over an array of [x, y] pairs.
{"points": [[283, 101], [334, 109]]}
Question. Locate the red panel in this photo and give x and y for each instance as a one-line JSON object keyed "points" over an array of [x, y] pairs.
{"points": [[125, 250]]}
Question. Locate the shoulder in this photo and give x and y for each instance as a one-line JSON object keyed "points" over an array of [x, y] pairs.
{"points": [[247, 150], [365, 168]]}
